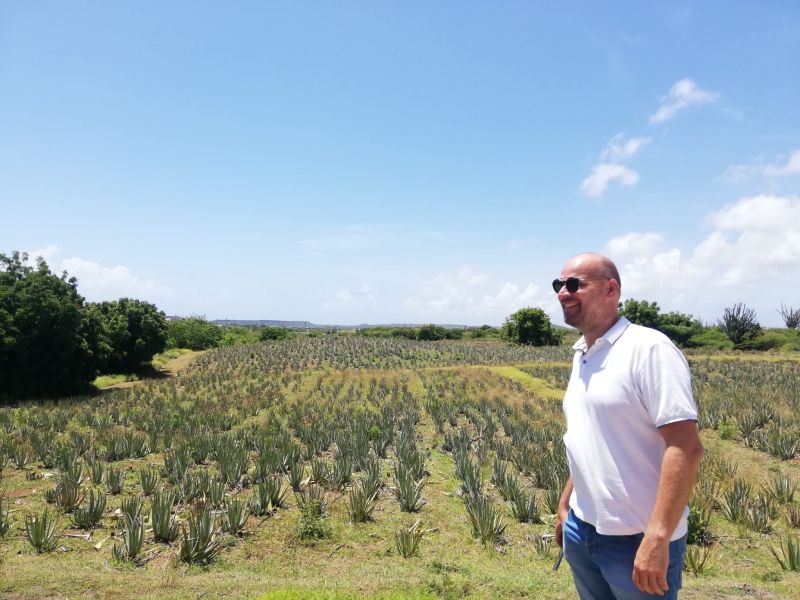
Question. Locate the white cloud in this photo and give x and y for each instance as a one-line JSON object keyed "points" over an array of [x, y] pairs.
{"points": [[447, 293], [792, 167], [469, 276], [739, 173], [682, 95], [752, 251], [632, 245], [99, 281], [360, 298], [511, 297], [469, 296], [47, 253], [604, 174], [621, 148]]}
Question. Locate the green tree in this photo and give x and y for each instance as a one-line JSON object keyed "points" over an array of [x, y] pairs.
{"points": [[641, 312], [530, 326], [194, 333], [136, 331], [431, 332], [273, 333], [679, 327], [49, 345]]}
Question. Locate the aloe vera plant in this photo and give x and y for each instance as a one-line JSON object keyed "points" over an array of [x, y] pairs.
{"points": [[165, 526], [696, 558], [485, 519], [132, 507], [295, 475], [97, 470], [89, 514], [200, 544], [115, 480], [67, 494], [21, 454], [782, 489], [148, 480], [524, 507], [5, 516], [361, 503], [373, 479], [234, 516], [40, 531], [320, 473], [407, 539], [408, 491], [267, 496], [789, 557], [215, 493], [132, 539]]}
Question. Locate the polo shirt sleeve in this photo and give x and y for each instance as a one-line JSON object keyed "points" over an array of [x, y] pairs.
{"points": [[665, 384]]}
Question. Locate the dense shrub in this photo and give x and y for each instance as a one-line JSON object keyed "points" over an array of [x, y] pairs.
{"points": [[194, 333], [773, 339], [274, 333], [711, 339], [531, 326]]}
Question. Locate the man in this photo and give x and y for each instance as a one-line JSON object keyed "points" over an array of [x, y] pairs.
{"points": [[631, 441]]}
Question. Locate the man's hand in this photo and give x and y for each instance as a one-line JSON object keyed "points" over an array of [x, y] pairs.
{"points": [[650, 566], [561, 516], [562, 512]]}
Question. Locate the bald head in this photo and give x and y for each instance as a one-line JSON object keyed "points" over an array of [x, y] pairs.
{"points": [[597, 265]]}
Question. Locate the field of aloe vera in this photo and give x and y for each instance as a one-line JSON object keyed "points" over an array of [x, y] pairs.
{"points": [[352, 467]]}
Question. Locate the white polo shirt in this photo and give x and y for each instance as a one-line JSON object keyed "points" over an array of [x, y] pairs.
{"points": [[632, 381]]}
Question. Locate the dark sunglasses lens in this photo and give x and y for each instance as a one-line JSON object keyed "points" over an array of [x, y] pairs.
{"points": [[557, 285], [573, 283]]}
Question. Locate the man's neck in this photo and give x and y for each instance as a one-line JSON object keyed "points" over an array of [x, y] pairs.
{"points": [[590, 337]]}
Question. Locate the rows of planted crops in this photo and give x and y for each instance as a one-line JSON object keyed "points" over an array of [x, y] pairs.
{"points": [[193, 465]]}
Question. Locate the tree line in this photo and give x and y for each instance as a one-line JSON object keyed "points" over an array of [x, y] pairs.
{"points": [[53, 342]]}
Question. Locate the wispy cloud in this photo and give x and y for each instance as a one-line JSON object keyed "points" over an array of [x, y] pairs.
{"points": [[782, 168], [470, 295], [604, 174], [362, 297], [682, 95], [621, 148]]}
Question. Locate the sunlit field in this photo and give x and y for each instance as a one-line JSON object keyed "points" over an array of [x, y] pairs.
{"points": [[349, 467]]}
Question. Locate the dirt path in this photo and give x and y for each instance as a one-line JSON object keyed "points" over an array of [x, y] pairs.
{"points": [[169, 368]]}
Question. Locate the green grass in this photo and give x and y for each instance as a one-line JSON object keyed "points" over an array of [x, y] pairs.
{"points": [[360, 561], [106, 381], [534, 384], [160, 361]]}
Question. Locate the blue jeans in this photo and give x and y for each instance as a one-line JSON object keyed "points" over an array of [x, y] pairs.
{"points": [[602, 565]]}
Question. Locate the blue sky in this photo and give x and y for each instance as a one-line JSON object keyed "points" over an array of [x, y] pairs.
{"points": [[403, 162]]}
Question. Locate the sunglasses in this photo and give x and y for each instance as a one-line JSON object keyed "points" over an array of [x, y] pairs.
{"points": [[572, 284]]}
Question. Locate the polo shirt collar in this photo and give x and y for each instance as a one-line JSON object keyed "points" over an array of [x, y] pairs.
{"points": [[609, 337]]}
